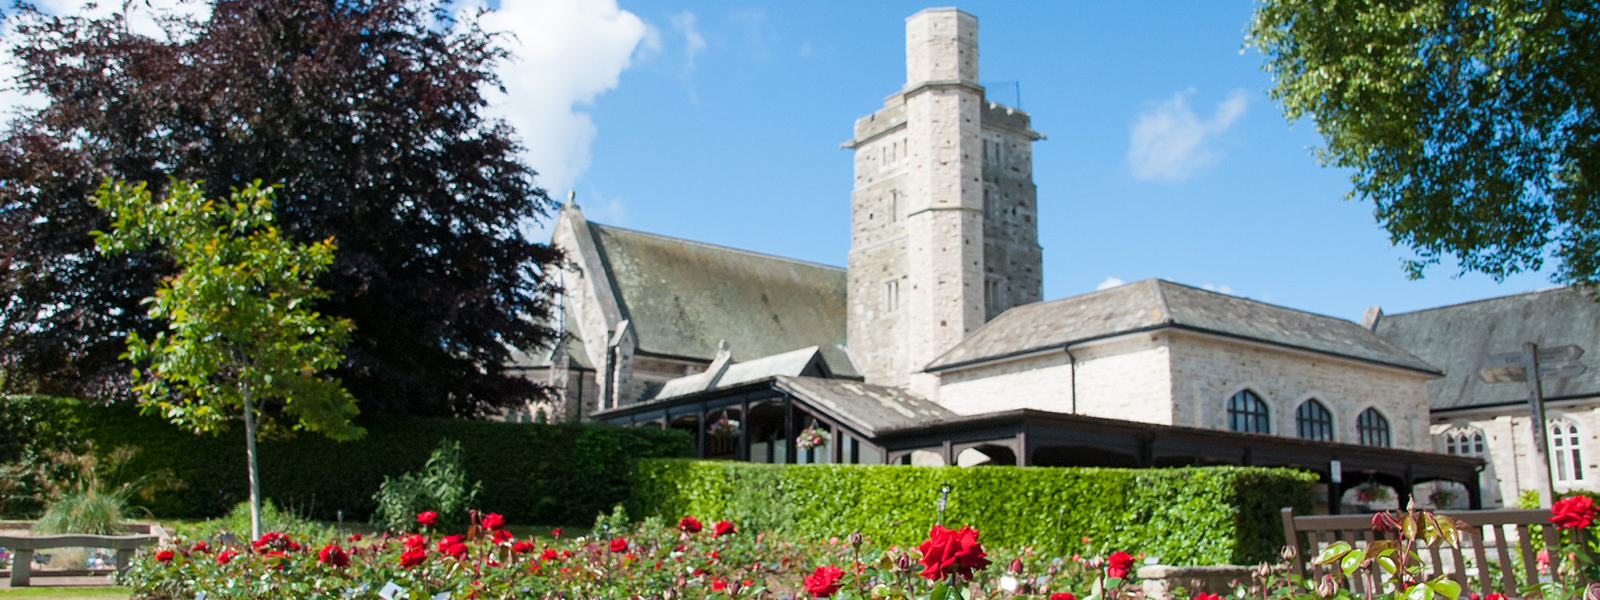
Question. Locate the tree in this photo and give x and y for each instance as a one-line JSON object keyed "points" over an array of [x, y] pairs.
{"points": [[364, 112], [241, 341], [1474, 126]]}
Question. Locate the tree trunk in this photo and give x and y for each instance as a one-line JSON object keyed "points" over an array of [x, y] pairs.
{"points": [[255, 472]]}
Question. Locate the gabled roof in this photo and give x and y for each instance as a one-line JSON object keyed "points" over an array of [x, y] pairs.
{"points": [[1157, 304], [805, 361], [683, 297], [1459, 337], [872, 410]]}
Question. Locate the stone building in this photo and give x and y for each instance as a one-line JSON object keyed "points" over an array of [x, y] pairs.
{"points": [[933, 346], [1491, 421]]}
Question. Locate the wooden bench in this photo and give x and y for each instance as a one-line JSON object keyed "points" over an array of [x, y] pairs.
{"points": [[22, 548], [1484, 541]]}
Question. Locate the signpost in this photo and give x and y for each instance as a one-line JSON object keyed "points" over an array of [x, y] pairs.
{"points": [[1557, 362]]}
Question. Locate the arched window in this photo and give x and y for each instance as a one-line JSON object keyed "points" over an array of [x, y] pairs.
{"points": [[1247, 413], [1564, 448], [1374, 429], [1313, 421], [1463, 442]]}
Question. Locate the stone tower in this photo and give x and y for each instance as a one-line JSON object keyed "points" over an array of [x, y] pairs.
{"points": [[943, 214]]}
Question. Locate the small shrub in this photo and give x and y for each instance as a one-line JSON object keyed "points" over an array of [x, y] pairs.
{"points": [[99, 495], [273, 518], [441, 487]]}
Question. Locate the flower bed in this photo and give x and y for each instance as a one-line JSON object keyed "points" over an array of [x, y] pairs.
{"points": [[651, 559]]}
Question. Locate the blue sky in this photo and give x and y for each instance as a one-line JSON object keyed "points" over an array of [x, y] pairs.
{"points": [[721, 122], [725, 128]]}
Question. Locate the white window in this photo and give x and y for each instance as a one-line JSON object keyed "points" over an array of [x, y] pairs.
{"points": [[891, 295], [1565, 453], [991, 295], [1464, 442]]}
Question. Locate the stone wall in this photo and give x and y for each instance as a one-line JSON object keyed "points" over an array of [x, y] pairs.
{"points": [[1207, 370], [1509, 458], [1123, 378]]}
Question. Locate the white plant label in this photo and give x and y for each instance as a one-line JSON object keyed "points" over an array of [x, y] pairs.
{"points": [[389, 590]]}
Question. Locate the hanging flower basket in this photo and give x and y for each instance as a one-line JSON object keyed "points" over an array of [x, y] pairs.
{"points": [[1371, 492], [723, 428], [812, 437]]}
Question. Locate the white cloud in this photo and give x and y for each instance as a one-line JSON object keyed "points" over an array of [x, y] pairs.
{"points": [[1109, 283], [1221, 289], [693, 42], [1171, 143], [565, 53]]}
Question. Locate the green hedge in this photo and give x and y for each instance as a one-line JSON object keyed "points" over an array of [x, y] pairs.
{"points": [[1191, 516], [531, 473]]}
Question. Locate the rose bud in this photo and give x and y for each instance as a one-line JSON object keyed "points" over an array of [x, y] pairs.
{"points": [[902, 562], [1263, 570], [1289, 553], [1327, 588], [1016, 565], [855, 539], [670, 593], [1052, 570]]}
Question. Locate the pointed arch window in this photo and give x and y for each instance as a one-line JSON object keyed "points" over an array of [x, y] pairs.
{"points": [[1373, 428], [1247, 413], [1464, 442], [1312, 421], [1565, 451]]}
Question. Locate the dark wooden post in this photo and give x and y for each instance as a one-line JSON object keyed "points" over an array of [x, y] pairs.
{"points": [[700, 434], [743, 453], [788, 431], [1022, 448]]}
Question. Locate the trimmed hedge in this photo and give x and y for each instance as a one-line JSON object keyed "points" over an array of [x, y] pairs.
{"points": [[531, 473], [1189, 516]]}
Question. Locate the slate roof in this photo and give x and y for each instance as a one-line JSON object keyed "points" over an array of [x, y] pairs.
{"points": [[804, 361], [871, 409], [683, 297], [1157, 304], [1457, 338]]}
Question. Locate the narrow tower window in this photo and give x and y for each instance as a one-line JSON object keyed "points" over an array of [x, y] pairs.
{"points": [[891, 295]]}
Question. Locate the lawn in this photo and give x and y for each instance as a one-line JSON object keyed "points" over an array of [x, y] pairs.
{"points": [[68, 593]]}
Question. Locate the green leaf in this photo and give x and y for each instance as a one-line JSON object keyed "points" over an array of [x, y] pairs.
{"points": [[941, 591], [1446, 588], [1332, 553], [1351, 562]]}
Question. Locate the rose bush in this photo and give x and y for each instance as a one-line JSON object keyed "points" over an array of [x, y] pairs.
{"points": [[652, 559]]}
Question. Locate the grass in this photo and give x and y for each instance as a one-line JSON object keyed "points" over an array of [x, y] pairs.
{"points": [[69, 593]]}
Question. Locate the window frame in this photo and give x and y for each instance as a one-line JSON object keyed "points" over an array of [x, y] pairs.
{"points": [[1373, 429], [1319, 421], [1246, 408]]}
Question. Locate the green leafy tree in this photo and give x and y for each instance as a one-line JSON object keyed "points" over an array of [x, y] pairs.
{"points": [[1474, 126], [241, 341]]}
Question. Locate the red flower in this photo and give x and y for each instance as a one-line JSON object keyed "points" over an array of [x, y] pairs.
{"points": [[1573, 512], [164, 556], [555, 533], [522, 547], [718, 585], [355, 537], [293, 545], [332, 554], [225, 556], [619, 545], [689, 525], [428, 518], [823, 582], [549, 554], [952, 551], [723, 528], [201, 547], [413, 557], [493, 521], [1495, 597], [271, 538], [502, 536], [1063, 596], [1117, 565], [1205, 596]]}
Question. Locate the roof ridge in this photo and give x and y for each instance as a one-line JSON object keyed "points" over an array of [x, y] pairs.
{"points": [[1558, 288], [1261, 302], [718, 246]]}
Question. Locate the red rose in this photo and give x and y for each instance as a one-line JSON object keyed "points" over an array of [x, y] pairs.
{"points": [[549, 554], [493, 521], [164, 556], [272, 539], [225, 556], [823, 582], [689, 525], [502, 536], [555, 533], [1117, 565], [1495, 597], [293, 545], [201, 547], [718, 585], [723, 528], [1573, 512], [427, 519], [522, 547], [332, 554], [413, 557], [448, 541], [1063, 596], [355, 537], [1205, 596], [952, 551], [619, 545]]}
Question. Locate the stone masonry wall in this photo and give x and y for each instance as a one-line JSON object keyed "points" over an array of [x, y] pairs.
{"points": [[1509, 457], [1125, 378], [1207, 370]]}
